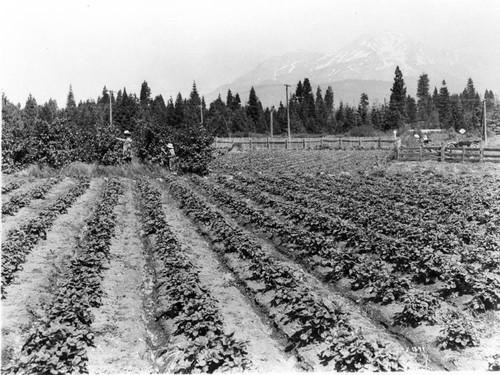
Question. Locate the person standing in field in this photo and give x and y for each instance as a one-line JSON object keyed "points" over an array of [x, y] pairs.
{"points": [[127, 146], [170, 154]]}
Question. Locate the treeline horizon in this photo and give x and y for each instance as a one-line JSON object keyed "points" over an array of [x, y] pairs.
{"points": [[83, 132], [309, 113]]}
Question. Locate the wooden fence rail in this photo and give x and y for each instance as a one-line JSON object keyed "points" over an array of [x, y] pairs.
{"points": [[450, 154], [302, 143]]}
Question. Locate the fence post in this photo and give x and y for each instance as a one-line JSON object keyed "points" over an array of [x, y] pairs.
{"points": [[379, 143], [286, 144], [359, 140], [463, 154], [340, 143], [481, 152], [420, 153], [443, 149], [267, 142], [250, 144], [304, 143], [321, 143]]}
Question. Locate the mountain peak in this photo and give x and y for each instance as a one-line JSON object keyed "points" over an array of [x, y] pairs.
{"points": [[370, 58]]}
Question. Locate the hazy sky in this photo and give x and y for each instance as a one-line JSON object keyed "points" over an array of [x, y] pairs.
{"points": [[48, 45]]}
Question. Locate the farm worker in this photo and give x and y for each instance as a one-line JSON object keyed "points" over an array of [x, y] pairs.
{"points": [[170, 153], [127, 147]]}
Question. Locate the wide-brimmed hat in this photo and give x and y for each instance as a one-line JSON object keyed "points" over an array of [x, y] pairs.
{"points": [[170, 145], [126, 132]]}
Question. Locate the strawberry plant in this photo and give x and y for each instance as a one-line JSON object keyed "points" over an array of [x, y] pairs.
{"points": [[390, 289], [22, 200], [59, 343], [20, 242], [183, 304], [459, 333], [351, 352], [494, 363], [419, 306], [11, 186]]}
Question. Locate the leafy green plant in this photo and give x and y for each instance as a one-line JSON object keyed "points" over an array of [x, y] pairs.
{"points": [[419, 306], [494, 363], [458, 334], [351, 352]]}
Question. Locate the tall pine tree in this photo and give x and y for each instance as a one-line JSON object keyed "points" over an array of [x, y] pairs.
{"points": [[396, 114]]}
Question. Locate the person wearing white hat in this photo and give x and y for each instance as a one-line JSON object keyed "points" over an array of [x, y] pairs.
{"points": [[127, 146], [170, 154]]}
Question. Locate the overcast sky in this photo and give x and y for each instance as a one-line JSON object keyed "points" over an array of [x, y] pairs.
{"points": [[48, 45]]}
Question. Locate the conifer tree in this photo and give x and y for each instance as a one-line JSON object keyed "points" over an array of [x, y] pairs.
{"points": [[411, 109], [237, 102], [329, 98], [396, 114], [30, 110], [230, 100], [254, 111], [145, 95], [321, 112], [178, 111], [424, 101], [363, 106], [299, 92], [444, 106], [70, 101]]}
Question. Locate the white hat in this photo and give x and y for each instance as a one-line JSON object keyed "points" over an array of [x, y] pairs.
{"points": [[126, 132], [170, 145]]}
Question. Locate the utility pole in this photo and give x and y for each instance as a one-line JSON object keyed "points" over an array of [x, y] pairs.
{"points": [[485, 134], [271, 122], [110, 109], [288, 112]]}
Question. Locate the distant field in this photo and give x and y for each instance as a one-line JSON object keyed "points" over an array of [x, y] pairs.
{"points": [[277, 261]]}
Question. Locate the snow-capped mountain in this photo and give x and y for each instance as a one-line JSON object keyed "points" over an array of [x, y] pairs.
{"points": [[366, 65]]}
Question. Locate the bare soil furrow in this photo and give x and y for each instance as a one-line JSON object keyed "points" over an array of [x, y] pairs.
{"points": [[120, 331], [265, 351], [36, 205], [33, 286]]}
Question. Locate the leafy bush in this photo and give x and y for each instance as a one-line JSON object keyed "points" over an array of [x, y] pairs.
{"points": [[494, 363], [458, 334], [419, 306], [351, 352], [193, 147]]}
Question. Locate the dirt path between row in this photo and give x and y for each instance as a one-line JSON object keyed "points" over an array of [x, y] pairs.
{"points": [[29, 212], [33, 286], [25, 185], [120, 325], [265, 351]]}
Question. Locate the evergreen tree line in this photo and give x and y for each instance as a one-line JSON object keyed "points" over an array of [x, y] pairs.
{"points": [[84, 132]]}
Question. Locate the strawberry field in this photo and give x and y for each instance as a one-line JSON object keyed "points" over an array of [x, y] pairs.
{"points": [[315, 260]]}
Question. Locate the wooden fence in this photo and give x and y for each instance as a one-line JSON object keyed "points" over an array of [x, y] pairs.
{"points": [[448, 154], [302, 143]]}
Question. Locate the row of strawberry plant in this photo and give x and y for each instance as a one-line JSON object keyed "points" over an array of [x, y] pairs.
{"points": [[19, 242], [378, 277], [183, 301], [10, 187], [463, 202], [380, 215], [415, 237], [426, 268], [365, 272], [59, 342], [19, 201], [309, 319]]}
